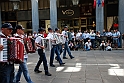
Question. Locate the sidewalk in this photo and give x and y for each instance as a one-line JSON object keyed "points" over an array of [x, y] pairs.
{"points": [[87, 67]]}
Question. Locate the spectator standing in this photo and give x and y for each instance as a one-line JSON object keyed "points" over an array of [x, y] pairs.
{"points": [[92, 38]]}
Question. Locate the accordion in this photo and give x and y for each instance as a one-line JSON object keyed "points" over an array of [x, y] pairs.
{"points": [[47, 44], [13, 50], [30, 45]]}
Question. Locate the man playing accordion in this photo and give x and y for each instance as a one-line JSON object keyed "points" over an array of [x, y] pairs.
{"points": [[54, 40], [6, 67], [42, 56], [22, 66]]}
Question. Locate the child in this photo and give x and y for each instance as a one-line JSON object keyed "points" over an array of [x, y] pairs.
{"points": [[108, 48], [102, 46]]}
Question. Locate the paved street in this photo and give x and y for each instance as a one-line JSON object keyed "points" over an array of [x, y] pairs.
{"points": [[87, 67]]}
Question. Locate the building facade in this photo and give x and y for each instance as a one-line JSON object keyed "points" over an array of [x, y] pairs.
{"points": [[33, 14]]}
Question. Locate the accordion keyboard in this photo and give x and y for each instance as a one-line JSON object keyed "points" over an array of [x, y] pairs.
{"points": [[3, 54]]}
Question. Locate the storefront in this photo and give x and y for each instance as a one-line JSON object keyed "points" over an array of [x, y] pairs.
{"points": [[81, 16]]}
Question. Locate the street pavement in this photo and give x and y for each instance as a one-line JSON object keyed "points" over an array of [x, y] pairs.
{"points": [[93, 66]]}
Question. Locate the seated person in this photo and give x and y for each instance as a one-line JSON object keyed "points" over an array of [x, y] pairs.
{"points": [[71, 46], [87, 46], [102, 45], [108, 47]]}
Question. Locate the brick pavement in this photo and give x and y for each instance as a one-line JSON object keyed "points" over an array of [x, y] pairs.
{"points": [[87, 67]]}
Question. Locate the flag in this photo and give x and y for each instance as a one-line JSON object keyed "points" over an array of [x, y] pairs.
{"points": [[94, 5], [99, 2], [102, 3]]}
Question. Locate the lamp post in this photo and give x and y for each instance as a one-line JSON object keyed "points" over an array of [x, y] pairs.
{"points": [[75, 2], [15, 4]]}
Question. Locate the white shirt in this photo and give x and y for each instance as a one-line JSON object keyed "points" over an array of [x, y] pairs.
{"points": [[78, 35], [64, 33], [92, 35], [108, 34], [86, 35], [88, 44], [102, 44], [72, 33], [39, 40], [51, 37]]}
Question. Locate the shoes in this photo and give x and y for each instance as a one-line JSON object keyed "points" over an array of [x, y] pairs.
{"points": [[47, 74], [37, 71], [72, 57], [62, 64], [65, 58], [52, 65], [56, 58]]}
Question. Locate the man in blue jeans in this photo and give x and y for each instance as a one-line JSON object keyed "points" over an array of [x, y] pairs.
{"points": [[22, 66], [65, 34]]}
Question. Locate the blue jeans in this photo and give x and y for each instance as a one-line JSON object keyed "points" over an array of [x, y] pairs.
{"points": [[6, 73], [23, 68], [60, 49], [68, 50], [41, 58], [53, 51], [93, 43], [86, 48]]}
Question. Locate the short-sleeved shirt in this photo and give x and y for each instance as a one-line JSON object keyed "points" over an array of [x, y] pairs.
{"points": [[39, 40]]}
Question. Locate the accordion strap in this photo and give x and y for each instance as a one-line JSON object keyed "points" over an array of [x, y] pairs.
{"points": [[1, 36]]}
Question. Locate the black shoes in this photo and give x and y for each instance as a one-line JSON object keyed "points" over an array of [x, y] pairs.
{"points": [[56, 58], [62, 64], [65, 58], [72, 57], [37, 71], [52, 65], [48, 74]]}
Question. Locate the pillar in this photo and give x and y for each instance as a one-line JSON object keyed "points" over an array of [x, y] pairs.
{"points": [[35, 15], [121, 16], [99, 18], [53, 14]]}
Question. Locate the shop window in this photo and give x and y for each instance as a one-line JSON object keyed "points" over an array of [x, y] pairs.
{"points": [[21, 5], [25, 5], [76, 22], [10, 6], [83, 21], [6, 6], [3, 6], [29, 25], [29, 4]]}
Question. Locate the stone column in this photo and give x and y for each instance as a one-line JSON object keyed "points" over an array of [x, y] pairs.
{"points": [[121, 16], [99, 18], [53, 14], [35, 15], [0, 16]]}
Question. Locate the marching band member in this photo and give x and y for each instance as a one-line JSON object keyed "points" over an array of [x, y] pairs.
{"points": [[54, 48], [41, 53], [6, 68], [58, 49], [22, 66], [66, 47]]}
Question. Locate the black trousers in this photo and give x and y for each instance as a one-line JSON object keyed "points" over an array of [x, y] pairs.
{"points": [[42, 57]]}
